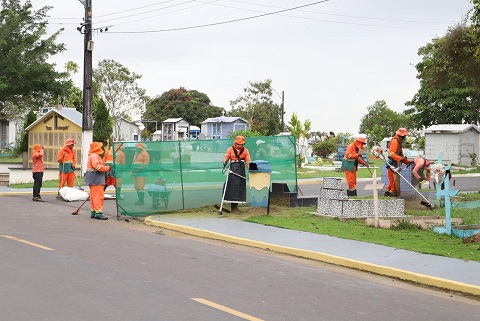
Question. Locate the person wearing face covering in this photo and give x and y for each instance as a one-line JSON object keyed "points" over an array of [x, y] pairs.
{"points": [[353, 153], [67, 160], [396, 158], [95, 179], [238, 157], [37, 170], [140, 161]]}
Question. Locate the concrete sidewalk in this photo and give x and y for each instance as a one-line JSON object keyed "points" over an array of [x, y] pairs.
{"points": [[437, 271]]}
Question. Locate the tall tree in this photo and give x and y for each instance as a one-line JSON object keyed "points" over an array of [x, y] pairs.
{"points": [[380, 122], [191, 105], [30, 118], [257, 107], [26, 76], [103, 125], [449, 84], [117, 85]]}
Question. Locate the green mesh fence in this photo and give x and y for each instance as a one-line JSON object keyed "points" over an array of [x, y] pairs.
{"points": [[189, 174]]}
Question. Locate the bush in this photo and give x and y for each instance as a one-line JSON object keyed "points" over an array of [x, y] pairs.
{"points": [[325, 148]]}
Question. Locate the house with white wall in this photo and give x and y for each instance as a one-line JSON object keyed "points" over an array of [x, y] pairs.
{"points": [[458, 143], [220, 127]]}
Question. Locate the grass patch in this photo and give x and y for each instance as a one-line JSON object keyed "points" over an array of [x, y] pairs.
{"points": [[8, 159]]}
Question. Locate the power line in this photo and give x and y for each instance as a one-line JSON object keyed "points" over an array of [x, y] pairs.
{"points": [[223, 22]]}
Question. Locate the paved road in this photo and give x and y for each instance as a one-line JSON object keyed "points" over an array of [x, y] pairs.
{"points": [[56, 266]]}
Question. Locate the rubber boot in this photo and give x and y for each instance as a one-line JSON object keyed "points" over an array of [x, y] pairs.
{"points": [[118, 193], [92, 214], [352, 192], [141, 198], [99, 216]]}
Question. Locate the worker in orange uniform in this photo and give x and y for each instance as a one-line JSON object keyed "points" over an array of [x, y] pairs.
{"points": [[141, 159], [396, 158], [95, 179], [239, 157], [67, 160], [114, 176], [37, 171], [354, 153]]}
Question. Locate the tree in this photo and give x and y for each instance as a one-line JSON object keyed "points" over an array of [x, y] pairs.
{"points": [[26, 77], [29, 119], [103, 125], [300, 132], [449, 84], [118, 87], [380, 122], [258, 109], [191, 105]]}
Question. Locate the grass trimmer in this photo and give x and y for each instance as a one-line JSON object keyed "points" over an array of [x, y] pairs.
{"points": [[378, 152]]}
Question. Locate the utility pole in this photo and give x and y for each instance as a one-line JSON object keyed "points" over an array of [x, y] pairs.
{"points": [[87, 128]]}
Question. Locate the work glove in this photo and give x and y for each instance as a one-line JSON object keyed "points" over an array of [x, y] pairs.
{"points": [[421, 182]]}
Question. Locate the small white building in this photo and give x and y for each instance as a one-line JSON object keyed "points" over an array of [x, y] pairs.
{"points": [[175, 129], [457, 143]]}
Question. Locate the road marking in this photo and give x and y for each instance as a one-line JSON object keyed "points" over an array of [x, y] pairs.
{"points": [[225, 309], [27, 242]]}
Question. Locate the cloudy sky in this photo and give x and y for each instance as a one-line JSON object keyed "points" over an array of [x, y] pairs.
{"points": [[332, 59]]}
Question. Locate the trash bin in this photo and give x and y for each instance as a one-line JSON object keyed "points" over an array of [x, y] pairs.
{"points": [[259, 182]]}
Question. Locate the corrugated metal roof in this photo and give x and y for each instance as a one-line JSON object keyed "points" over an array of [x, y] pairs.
{"points": [[222, 119], [70, 113], [172, 120], [450, 128]]}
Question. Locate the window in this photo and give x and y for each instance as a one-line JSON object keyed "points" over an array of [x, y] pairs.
{"points": [[237, 127], [216, 130]]}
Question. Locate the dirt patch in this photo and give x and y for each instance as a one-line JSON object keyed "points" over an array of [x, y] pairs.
{"points": [[472, 239]]}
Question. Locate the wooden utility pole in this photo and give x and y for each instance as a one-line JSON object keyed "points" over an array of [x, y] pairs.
{"points": [[87, 128]]}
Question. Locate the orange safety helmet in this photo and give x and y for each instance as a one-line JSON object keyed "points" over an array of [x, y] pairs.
{"points": [[96, 147], [69, 141], [140, 145], [402, 132], [37, 147], [240, 140]]}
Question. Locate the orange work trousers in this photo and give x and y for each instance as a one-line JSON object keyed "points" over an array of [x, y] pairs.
{"points": [[351, 179], [96, 198], [393, 182], [65, 178], [139, 183]]}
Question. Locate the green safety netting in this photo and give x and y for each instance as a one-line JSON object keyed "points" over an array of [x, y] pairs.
{"points": [[190, 174]]}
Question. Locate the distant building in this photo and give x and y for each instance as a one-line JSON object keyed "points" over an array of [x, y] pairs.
{"points": [[457, 143], [220, 127], [129, 130], [175, 129], [51, 130], [194, 132]]}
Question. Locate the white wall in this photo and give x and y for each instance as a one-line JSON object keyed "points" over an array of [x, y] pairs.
{"points": [[455, 147]]}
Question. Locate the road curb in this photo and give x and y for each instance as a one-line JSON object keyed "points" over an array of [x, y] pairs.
{"points": [[327, 258]]}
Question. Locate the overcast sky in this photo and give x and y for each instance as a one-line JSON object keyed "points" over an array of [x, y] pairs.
{"points": [[332, 59]]}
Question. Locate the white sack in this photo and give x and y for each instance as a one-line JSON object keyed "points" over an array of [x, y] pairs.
{"points": [[71, 194]]}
